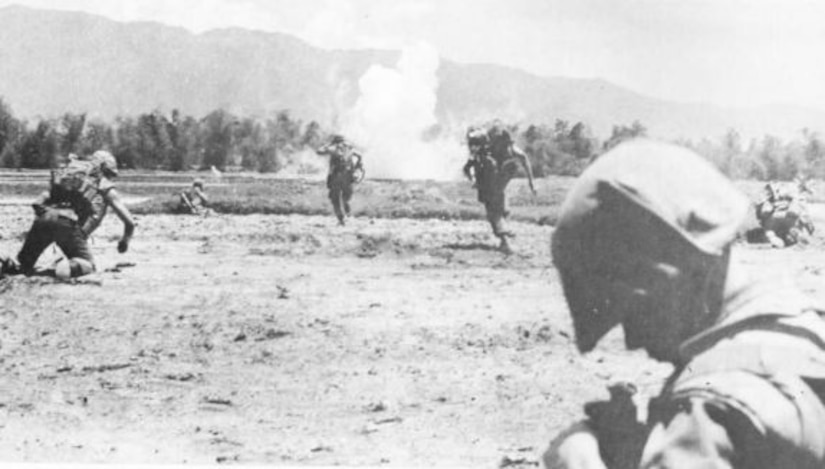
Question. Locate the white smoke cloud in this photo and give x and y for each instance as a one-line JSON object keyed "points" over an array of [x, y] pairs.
{"points": [[305, 164], [396, 107]]}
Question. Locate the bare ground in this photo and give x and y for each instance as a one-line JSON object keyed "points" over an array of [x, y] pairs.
{"points": [[290, 340]]}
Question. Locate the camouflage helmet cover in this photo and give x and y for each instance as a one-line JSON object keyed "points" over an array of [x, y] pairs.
{"points": [[107, 162], [476, 136], [637, 187]]}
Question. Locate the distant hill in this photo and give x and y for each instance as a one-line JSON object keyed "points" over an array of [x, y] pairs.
{"points": [[53, 62]]}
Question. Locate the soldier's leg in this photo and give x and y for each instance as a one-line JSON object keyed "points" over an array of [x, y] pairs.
{"points": [[346, 197], [79, 260], [495, 214], [40, 236], [496, 219], [335, 197], [504, 179]]}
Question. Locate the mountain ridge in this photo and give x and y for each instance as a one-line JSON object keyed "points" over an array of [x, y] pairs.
{"points": [[56, 62]]}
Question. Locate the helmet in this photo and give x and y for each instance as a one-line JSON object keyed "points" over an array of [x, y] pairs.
{"points": [[107, 162], [476, 136], [198, 183], [336, 139], [638, 194]]}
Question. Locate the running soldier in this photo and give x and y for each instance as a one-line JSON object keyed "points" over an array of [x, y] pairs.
{"points": [[80, 193], [494, 161], [644, 241], [194, 200], [345, 170]]}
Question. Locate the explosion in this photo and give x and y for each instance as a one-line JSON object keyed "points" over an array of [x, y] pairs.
{"points": [[394, 118]]}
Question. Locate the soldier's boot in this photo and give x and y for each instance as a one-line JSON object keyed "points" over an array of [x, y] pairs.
{"points": [[502, 233], [504, 246], [9, 266]]}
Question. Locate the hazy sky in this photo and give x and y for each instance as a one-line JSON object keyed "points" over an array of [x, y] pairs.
{"points": [[726, 52]]}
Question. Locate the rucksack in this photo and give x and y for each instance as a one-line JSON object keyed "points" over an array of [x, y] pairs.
{"points": [[75, 185]]}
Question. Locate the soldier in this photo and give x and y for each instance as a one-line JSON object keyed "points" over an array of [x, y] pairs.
{"points": [[345, 170], [494, 161], [783, 215], [76, 202], [194, 200], [644, 240]]}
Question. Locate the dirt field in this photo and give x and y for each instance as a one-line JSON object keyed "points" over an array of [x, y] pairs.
{"points": [[289, 340]]}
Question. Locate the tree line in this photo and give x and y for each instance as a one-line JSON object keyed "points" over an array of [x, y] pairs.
{"points": [[566, 149], [177, 142], [154, 140]]}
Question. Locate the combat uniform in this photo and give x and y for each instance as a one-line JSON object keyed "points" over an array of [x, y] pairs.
{"points": [[494, 160], [67, 217], [194, 200], [750, 393], [344, 163], [783, 215]]}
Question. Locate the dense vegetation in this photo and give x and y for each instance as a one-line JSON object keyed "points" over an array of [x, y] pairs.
{"points": [[178, 142]]}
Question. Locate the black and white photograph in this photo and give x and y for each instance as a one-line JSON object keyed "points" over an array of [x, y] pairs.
{"points": [[509, 234]]}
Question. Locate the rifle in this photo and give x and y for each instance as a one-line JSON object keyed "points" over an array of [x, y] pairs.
{"points": [[188, 202], [621, 436]]}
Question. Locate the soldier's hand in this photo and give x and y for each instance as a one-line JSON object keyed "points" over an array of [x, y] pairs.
{"points": [[123, 245], [577, 447]]}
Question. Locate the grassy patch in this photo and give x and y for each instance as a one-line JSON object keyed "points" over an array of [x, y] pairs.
{"points": [[373, 199], [266, 194]]}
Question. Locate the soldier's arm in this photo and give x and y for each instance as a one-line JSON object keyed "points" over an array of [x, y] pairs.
{"points": [[526, 163], [40, 201], [113, 199], [202, 195], [323, 150], [185, 199], [93, 221], [468, 167]]}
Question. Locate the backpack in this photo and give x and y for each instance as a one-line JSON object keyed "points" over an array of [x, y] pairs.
{"points": [[75, 185]]}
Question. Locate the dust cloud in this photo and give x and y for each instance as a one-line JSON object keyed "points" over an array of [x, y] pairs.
{"points": [[393, 123]]}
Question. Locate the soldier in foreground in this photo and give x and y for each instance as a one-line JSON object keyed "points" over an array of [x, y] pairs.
{"points": [[494, 161], [194, 200], [80, 193], [345, 170], [644, 241]]}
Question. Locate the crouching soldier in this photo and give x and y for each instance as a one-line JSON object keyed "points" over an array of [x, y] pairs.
{"points": [[345, 170], [783, 215], [194, 200], [76, 202], [644, 241]]}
